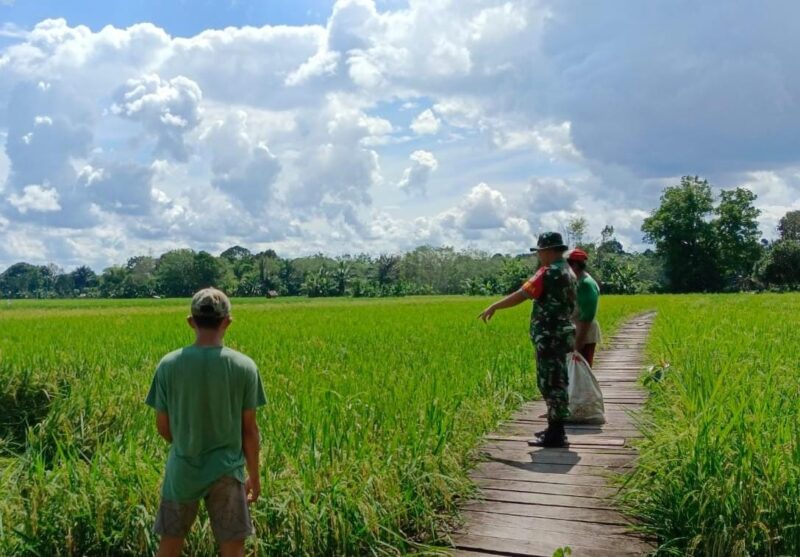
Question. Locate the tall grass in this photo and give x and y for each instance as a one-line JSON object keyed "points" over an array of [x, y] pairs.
{"points": [[374, 411], [719, 471]]}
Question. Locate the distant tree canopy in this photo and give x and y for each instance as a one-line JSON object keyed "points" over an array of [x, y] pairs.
{"points": [[703, 243], [780, 266], [789, 226], [683, 235], [705, 248]]}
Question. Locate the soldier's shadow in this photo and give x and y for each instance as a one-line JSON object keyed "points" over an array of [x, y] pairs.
{"points": [[544, 461]]}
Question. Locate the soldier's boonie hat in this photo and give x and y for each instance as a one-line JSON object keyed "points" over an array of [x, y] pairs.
{"points": [[577, 254], [210, 302], [550, 240]]}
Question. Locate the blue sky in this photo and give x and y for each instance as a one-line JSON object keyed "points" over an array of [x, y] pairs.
{"points": [[181, 18], [363, 125]]}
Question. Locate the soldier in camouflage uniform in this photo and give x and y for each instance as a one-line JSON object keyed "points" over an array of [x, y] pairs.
{"points": [[553, 289]]}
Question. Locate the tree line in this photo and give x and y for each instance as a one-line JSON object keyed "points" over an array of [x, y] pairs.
{"points": [[701, 244]]}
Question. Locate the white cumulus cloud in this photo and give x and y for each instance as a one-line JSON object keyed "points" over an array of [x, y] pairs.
{"points": [[35, 198], [167, 109], [415, 177], [426, 123], [483, 208]]}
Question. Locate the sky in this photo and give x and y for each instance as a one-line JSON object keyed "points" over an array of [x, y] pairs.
{"points": [[376, 126]]}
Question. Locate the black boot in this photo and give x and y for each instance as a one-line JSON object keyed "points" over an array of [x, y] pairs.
{"points": [[541, 433], [553, 436]]}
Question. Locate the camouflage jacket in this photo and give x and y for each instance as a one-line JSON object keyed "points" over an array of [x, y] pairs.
{"points": [[553, 289]]}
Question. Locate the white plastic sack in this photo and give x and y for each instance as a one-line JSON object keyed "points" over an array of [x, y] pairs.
{"points": [[585, 396]]}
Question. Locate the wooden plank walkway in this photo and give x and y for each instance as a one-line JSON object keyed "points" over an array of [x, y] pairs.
{"points": [[533, 501]]}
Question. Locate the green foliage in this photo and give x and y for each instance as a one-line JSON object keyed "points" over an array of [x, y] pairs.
{"points": [[683, 234], [780, 266], [182, 272], [23, 280], [705, 248], [206, 271], [576, 231], [737, 236], [446, 271], [83, 278], [513, 273], [112, 281], [236, 253], [789, 226], [387, 270], [174, 273]]}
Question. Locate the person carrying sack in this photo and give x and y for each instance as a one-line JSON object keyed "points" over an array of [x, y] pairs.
{"points": [[587, 329], [553, 290]]}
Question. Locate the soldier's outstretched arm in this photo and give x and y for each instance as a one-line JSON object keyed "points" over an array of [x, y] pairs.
{"points": [[509, 301]]}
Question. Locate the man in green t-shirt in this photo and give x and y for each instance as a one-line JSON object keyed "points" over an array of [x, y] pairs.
{"points": [[205, 397]]}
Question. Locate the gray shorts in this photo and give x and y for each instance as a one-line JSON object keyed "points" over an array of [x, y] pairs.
{"points": [[226, 504]]}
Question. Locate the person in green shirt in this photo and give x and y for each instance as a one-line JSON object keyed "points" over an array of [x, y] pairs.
{"points": [[205, 397], [587, 330]]}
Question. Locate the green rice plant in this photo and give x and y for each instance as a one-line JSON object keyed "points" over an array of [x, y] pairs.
{"points": [[719, 468], [375, 409]]}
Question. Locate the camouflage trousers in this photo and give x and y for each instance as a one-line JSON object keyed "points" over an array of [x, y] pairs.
{"points": [[551, 374]]}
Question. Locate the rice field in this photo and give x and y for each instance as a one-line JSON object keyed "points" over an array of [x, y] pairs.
{"points": [[375, 409]]}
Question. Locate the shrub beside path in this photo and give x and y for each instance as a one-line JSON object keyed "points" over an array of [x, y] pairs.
{"points": [[532, 501]]}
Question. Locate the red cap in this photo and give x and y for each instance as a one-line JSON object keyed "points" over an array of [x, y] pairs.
{"points": [[577, 255]]}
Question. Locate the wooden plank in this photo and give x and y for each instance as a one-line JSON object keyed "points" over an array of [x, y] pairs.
{"points": [[557, 468], [622, 390], [521, 441], [589, 441], [590, 448], [584, 437], [610, 414], [598, 492], [497, 471], [529, 427], [536, 548], [613, 419], [595, 516], [535, 523], [569, 458], [548, 499], [597, 540]]}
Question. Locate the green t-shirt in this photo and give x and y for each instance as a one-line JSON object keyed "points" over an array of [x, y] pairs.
{"points": [[588, 298], [204, 390]]}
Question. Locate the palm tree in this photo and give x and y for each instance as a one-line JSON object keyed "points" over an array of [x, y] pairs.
{"points": [[341, 277]]}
